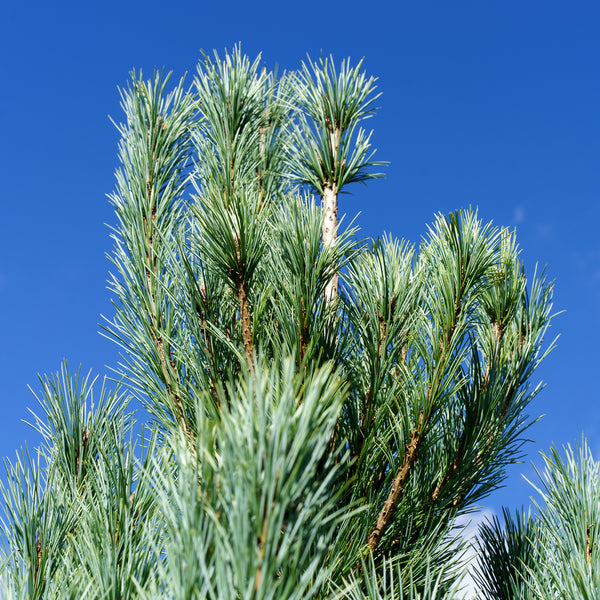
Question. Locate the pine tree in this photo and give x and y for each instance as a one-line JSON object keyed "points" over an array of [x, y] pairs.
{"points": [[320, 408]]}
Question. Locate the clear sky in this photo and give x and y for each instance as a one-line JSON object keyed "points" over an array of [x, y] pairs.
{"points": [[488, 104]]}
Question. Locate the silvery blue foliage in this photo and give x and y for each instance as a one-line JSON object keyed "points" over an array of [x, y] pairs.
{"points": [[299, 442]]}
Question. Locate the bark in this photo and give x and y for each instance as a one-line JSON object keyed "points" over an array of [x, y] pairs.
{"points": [[261, 551], [241, 289], [389, 507], [38, 550], [329, 235], [246, 323]]}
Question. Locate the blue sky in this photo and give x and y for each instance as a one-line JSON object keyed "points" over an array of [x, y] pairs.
{"points": [[493, 105]]}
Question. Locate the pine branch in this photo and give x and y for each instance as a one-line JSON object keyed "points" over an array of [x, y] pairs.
{"points": [[387, 512], [246, 321]]}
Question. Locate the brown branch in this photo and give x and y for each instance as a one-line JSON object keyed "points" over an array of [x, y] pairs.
{"points": [[246, 319], [391, 502], [241, 289], [38, 550], [382, 335], [261, 549], [85, 436]]}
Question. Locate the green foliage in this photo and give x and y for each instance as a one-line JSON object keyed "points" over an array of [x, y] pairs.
{"points": [[328, 145], [570, 524], [556, 554], [507, 551], [300, 444], [389, 581]]}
